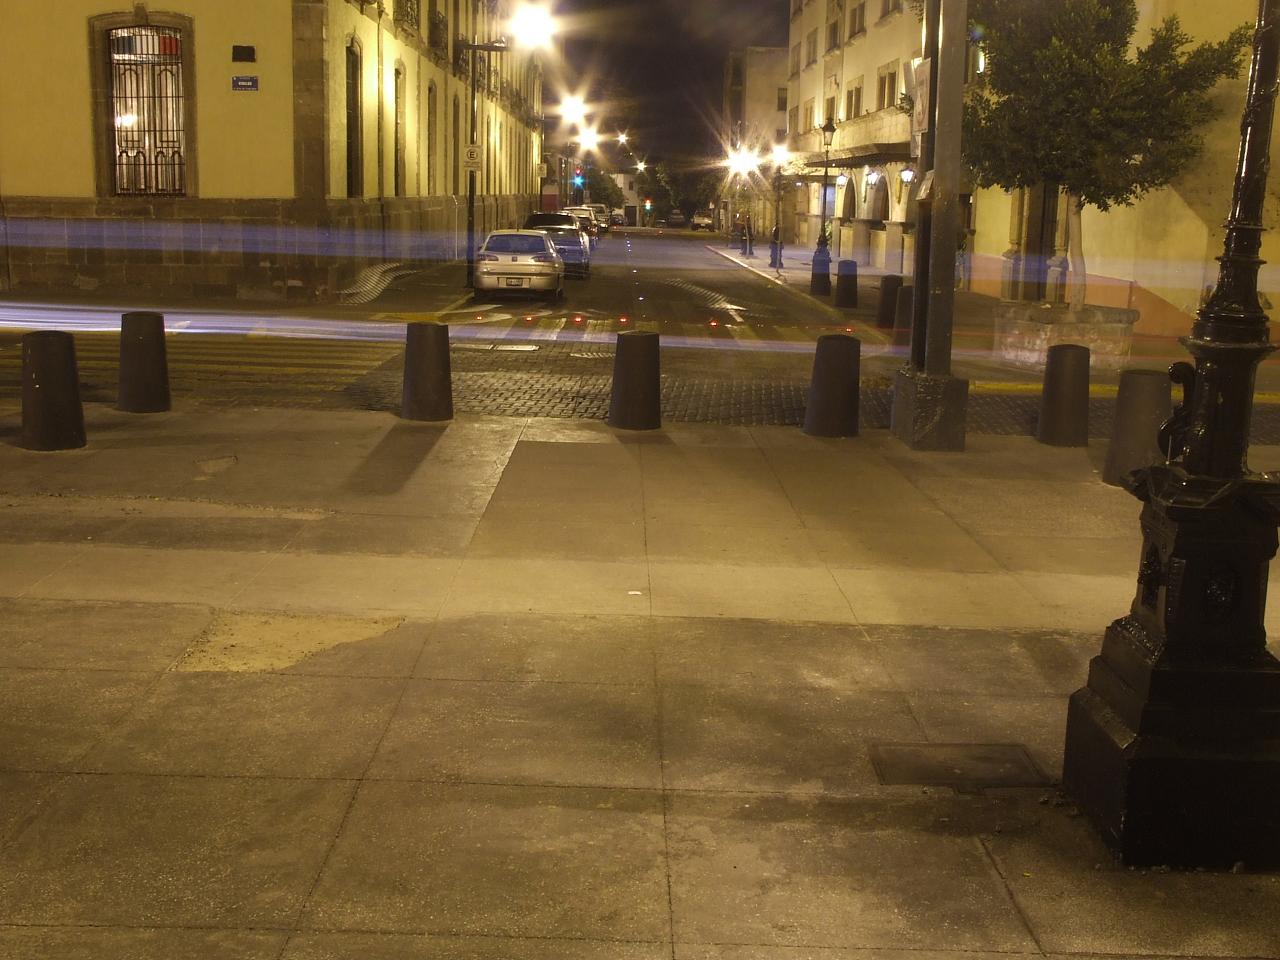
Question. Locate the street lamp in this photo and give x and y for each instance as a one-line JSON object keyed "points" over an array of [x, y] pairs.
{"points": [[781, 156], [820, 279], [1171, 746], [530, 27]]}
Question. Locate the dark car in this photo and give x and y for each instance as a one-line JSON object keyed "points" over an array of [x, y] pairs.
{"points": [[536, 221], [573, 247]]}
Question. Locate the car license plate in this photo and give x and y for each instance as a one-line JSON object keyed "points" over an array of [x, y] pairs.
{"points": [[514, 282]]}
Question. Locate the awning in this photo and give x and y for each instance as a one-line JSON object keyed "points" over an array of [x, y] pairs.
{"points": [[867, 155]]}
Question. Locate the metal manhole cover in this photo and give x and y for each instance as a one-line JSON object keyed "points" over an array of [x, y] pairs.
{"points": [[965, 766]]}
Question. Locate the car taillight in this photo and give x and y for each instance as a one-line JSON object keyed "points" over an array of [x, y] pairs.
{"points": [[486, 258], [544, 258]]}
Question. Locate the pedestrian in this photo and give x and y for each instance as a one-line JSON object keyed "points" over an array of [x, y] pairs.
{"points": [[750, 250], [775, 247]]}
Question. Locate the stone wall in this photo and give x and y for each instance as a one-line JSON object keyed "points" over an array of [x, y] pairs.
{"points": [[268, 250]]}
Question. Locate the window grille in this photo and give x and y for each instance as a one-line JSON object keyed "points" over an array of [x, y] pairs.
{"points": [[148, 110]]}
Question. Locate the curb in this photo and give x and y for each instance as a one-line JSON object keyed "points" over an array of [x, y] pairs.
{"points": [[869, 333]]}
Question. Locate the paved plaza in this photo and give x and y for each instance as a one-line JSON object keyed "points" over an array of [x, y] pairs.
{"points": [[285, 683]]}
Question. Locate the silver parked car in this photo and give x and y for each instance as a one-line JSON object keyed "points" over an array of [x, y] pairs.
{"points": [[514, 261]]}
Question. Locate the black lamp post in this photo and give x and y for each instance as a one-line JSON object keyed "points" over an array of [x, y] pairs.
{"points": [[1173, 747], [775, 241], [820, 279]]}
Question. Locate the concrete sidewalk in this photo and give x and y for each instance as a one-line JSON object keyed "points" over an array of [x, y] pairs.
{"points": [[299, 684]]}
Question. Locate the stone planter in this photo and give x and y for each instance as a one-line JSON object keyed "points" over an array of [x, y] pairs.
{"points": [[1024, 332]]}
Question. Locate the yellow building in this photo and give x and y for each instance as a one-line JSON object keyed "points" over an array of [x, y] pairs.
{"points": [[852, 60], [252, 147]]}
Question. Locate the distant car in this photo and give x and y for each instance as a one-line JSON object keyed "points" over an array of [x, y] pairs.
{"points": [[536, 220], [574, 247], [515, 261], [676, 219], [618, 218], [545, 221], [702, 221], [587, 219], [602, 214]]}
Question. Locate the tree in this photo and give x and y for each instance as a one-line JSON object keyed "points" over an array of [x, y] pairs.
{"points": [[1069, 101], [603, 188]]}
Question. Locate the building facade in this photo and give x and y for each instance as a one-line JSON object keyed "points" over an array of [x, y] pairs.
{"points": [[250, 148], [854, 60]]}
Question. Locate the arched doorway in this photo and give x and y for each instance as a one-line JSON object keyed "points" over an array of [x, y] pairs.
{"points": [[457, 147]]}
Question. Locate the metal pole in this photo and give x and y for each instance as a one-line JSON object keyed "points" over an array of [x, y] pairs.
{"points": [[924, 207], [471, 173], [947, 173], [1230, 336]]}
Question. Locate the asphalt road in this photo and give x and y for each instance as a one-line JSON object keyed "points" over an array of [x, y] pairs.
{"points": [[737, 348]]}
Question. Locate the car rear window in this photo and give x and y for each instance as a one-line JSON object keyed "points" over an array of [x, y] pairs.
{"points": [[549, 220], [516, 243]]}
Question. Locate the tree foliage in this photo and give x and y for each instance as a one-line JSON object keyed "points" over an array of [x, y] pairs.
{"points": [[604, 189], [1068, 100]]}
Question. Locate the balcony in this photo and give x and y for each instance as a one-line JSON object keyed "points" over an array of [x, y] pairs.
{"points": [[438, 35], [461, 58], [409, 13]]}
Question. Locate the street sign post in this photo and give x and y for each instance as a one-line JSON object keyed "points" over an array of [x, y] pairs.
{"points": [[471, 158]]}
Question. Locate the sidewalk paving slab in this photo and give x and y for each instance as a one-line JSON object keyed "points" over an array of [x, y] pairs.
{"points": [[286, 683]]}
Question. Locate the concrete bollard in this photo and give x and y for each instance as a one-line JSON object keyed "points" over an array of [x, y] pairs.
{"points": [[890, 284], [847, 283], [428, 380], [904, 311], [832, 410], [52, 415], [636, 401], [144, 364], [1143, 404], [1064, 404]]}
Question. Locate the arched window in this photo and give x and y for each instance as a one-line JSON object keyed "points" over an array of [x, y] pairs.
{"points": [[432, 159], [355, 118], [457, 142], [398, 173]]}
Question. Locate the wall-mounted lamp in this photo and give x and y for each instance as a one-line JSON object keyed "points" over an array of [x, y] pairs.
{"points": [[905, 178], [842, 180]]}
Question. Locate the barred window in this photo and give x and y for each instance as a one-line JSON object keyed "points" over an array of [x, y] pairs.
{"points": [[149, 138]]}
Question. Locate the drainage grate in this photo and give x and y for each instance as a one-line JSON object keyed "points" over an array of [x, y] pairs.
{"points": [[965, 766]]}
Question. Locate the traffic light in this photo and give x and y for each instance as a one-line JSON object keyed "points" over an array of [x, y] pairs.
{"points": [[648, 205], [579, 180]]}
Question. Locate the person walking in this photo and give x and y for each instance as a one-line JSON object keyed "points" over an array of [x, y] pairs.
{"points": [[775, 247], [750, 237]]}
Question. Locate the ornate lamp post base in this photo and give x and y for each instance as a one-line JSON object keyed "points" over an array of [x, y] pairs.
{"points": [[929, 411], [1173, 746]]}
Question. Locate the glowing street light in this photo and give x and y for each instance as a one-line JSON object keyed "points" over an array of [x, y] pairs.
{"points": [[743, 162], [573, 110], [622, 138], [532, 26], [642, 166], [781, 155], [589, 139]]}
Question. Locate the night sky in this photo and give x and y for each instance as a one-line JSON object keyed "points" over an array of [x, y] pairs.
{"points": [[659, 63]]}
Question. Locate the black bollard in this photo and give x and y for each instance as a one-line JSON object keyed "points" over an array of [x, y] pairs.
{"points": [[1142, 405], [847, 283], [52, 416], [902, 316], [832, 410], [820, 275], [144, 364], [887, 309], [1064, 404], [428, 380], [636, 402]]}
